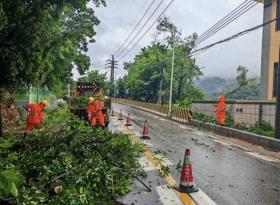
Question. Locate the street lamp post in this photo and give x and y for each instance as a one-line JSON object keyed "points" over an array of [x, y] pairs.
{"points": [[171, 78]]}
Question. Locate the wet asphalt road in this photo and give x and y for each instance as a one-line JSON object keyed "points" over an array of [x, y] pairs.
{"points": [[228, 174]]}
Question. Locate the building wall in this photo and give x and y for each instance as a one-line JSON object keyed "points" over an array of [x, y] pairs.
{"points": [[270, 50]]}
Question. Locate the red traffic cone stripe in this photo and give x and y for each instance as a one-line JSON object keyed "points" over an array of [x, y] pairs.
{"points": [[128, 120], [186, 180]]}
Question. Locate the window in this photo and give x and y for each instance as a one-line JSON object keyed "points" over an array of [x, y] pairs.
{"points": [[278, 15], [275, 79]]}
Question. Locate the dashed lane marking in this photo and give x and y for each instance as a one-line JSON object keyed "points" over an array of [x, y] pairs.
{"points": [[195, 198], [222, 142], [145, 164], [263, 157], [163, 160], [201, 198], [167, 195]]}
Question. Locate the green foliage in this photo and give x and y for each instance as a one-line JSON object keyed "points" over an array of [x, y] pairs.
{"points": [[10, 179], [79, 102], [242, 80], [204, 118], [95, 76], [41, 41], [88, 164], [263, 128], [149, 74]]}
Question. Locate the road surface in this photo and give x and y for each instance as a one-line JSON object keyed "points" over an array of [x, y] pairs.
{"points": [[228, 174]]}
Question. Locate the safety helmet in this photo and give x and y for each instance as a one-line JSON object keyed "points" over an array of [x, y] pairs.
{"points": [[45, 102], [91, 99]]}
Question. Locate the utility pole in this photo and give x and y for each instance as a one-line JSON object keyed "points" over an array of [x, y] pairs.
{"points": [[277, 116], [171, 78], [112, 64]]}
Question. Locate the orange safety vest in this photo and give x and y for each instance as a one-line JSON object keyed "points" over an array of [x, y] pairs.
{"points": [[35, 115]]}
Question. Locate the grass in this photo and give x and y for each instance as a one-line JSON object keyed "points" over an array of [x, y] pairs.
{"points": [[263, 128]]}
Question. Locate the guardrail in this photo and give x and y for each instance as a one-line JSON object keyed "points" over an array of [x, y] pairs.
{"points": [[179, 114]]}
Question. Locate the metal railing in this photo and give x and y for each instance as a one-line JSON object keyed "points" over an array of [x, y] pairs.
{"points": [[179, 114], [247, 113]]}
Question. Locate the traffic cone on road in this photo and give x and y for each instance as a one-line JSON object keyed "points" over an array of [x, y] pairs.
{"points": [[120, 116], [128, 120], [146, 131], [112, 112], [186, 180]]}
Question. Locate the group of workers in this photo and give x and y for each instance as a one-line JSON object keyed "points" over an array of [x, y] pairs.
{"points": [[36, 115]]}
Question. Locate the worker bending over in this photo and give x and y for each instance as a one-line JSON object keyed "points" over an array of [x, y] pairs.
{"points": [[221, 110], [94, 111], [36, 116]]}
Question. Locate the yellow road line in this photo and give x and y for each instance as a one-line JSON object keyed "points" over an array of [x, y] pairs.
{"points": [[185, 198]]}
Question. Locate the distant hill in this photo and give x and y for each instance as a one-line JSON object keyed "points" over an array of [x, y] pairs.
{"points": [[215, 86]]}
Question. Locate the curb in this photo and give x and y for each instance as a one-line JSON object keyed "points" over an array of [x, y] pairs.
{"points": [[266, 142]]}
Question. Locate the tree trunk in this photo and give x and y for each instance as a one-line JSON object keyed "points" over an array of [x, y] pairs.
{"points": [[37, 95], [180, 85], [160, 87], [29, 94], [1, 126]]}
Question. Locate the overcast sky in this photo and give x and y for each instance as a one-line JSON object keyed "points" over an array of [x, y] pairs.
{"points": [[120, 16]]}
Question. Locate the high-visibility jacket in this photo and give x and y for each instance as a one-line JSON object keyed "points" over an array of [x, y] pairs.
{"points": [[94, 111], [36, 114]]}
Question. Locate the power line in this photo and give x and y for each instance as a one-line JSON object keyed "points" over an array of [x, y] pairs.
{"points": [[147, 30], [231, 37], [230, 21], [135, 36], [132, 31], [238, 12], [223, 19], [242, 11]]}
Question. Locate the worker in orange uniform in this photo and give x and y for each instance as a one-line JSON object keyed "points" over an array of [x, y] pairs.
{"points": [[36, 116], [94, 111], [221, 110]]}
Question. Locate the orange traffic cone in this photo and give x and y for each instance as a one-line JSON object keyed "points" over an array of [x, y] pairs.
{"points": [[112, 112], [120, 115], [128, 120], [186, 180], [146, 131]]}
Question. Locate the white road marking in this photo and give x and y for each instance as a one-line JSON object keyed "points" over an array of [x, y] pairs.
{"points": [[222, 142], [145, 164], [147, 143], [198, 133], [202, 199], [163, 160], [263, 157], [167, 196]]}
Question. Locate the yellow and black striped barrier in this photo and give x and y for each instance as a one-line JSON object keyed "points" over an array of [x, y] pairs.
{"points": [[179, 114]]}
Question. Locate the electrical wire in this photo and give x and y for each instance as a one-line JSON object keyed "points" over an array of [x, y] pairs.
{"points": [[125, 54], [227, 20], [135, 36], [133, 30], [231, 37]]}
